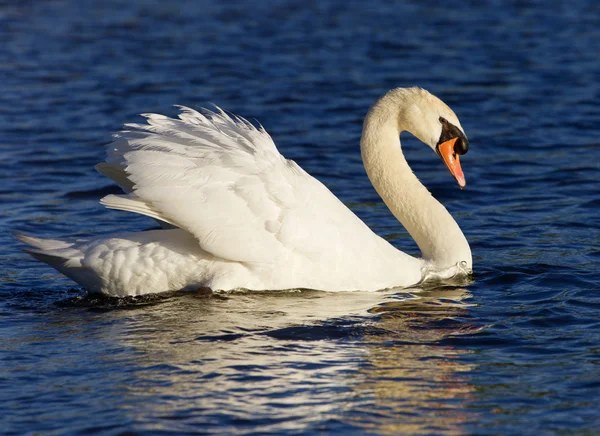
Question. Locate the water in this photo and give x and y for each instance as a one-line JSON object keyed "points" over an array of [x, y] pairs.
{"points": [[517, 351]]}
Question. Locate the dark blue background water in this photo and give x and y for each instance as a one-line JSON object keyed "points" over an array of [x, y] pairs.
{"points": [[515, 352]]}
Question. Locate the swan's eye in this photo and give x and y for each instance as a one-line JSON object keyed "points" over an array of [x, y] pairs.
{"points": [[443, 120]]}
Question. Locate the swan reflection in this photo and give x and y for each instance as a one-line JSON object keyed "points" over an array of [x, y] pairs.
{"points": [[415, 383], [287, 361]]}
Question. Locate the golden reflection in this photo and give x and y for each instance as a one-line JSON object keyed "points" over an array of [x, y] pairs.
{"points": [[371, 360], [416, 384]]}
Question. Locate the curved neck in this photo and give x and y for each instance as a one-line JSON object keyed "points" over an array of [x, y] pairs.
{"points": [[431, 226]]}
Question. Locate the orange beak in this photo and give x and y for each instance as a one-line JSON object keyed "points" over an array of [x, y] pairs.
{"points": [[452, 161]]}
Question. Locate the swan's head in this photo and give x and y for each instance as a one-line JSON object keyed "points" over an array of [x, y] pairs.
{"points": [[434, 123]]}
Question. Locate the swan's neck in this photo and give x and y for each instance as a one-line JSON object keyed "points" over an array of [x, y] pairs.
{"points": [[431, 226]]}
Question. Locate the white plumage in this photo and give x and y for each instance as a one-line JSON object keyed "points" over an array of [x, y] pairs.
{"points": [[236, 214]]}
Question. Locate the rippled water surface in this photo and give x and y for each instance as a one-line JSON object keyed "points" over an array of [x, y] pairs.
{"points": [[515, 351]]}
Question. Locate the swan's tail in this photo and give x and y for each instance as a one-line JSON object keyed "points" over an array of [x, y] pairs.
{"points": [[60, 255]]}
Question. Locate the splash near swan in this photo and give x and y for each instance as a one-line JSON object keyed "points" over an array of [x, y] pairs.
{"points": [[431, 274]]}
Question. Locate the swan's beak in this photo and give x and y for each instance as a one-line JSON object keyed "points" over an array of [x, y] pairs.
{"points": [[452, 160]]}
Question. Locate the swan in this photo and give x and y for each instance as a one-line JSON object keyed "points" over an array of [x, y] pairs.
{"points": [[237, 215]]}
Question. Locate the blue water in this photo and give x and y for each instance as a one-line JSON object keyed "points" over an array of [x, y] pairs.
{"points": [[517, 351]]}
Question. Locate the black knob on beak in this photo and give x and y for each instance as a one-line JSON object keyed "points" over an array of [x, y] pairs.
{"points": [[450, 131]]}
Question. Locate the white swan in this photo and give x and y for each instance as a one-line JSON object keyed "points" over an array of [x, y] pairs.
{"points": [[240, 215]]}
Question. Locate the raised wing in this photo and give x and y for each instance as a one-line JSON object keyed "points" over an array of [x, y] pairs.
{"points": [[222, 179]]}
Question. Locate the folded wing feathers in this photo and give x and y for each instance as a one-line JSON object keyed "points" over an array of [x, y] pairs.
{"points": [[117, 174], [192, 133], [210, 137], [131, 203], [204, 172]]}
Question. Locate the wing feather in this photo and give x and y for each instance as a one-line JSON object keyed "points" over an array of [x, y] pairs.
{"points": [[131, 203], [117, 174], [223, 180]]}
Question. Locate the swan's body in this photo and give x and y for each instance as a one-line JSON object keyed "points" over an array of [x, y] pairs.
{"points": [[242, 216]]}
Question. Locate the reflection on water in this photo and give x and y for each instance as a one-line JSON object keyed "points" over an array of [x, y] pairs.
{"points": [[416, 384], [269, 358]]}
